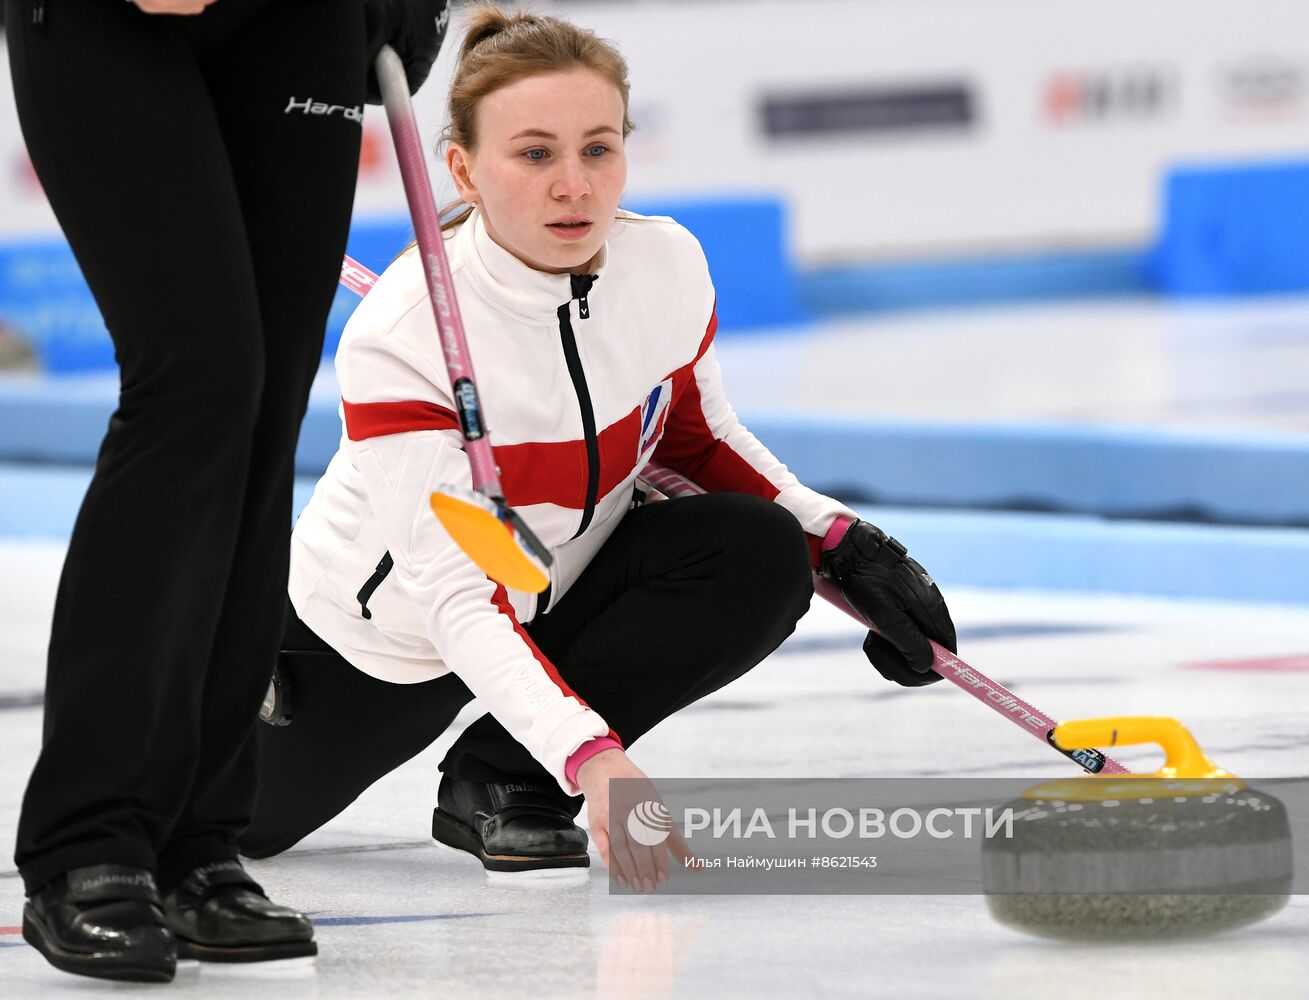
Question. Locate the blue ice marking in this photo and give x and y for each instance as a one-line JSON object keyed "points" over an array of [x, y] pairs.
{"points": [[396, 919]]}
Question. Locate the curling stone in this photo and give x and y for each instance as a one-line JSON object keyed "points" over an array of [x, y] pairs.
{"points": [[1186, 851]]}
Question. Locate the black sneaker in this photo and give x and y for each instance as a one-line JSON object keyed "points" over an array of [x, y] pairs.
{"points": [[103, 921], [218, 913], [510, 826]]}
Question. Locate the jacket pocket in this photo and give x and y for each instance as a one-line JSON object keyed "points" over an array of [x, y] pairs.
{"points": [[370, 587]]}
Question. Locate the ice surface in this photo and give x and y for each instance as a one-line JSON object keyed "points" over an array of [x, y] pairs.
{"points": [[398, 915], [1216, 365]]}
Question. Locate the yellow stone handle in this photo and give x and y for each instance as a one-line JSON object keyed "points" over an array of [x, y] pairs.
{"points": [[1183, 756]]}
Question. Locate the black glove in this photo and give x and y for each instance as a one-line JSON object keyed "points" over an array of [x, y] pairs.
{"points": [[414, 28], [893, 592]]}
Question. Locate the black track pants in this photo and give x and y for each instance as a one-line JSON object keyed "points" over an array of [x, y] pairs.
{"points": [[209, 216], [685, 597]]}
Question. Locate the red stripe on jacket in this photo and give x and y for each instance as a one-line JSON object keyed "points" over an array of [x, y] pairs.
{"points": [[555, 471], [532, 472], [370, 420], [501, 600]]}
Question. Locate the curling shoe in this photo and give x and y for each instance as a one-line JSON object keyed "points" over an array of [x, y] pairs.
{"points": [[104, 921], [510, 826], [218, 913]]}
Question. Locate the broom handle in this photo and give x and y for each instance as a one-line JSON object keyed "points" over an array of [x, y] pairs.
{"points": [[440, 282]]}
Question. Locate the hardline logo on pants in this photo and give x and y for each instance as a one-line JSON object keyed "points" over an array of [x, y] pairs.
{"points": [[311, 107]]}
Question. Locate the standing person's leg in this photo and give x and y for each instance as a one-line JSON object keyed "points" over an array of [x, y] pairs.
{"points": [[153, 218], [685, 596], [295, 174], [295, 179], [152, 215]]}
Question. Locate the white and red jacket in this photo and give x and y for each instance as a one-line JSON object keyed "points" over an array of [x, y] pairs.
{"points": [[579, 393]]}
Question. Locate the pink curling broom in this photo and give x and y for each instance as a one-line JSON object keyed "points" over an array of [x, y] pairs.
{"points": [[488, 530]]}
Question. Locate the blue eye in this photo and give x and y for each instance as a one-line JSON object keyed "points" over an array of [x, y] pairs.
{"points": [[535, 155], [597, 150]]}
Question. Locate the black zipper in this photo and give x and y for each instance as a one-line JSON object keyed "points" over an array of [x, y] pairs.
{"points": [[581, 287]]}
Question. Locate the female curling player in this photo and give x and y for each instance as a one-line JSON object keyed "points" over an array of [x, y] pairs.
{"points": [[591, 330], [201, 159]]}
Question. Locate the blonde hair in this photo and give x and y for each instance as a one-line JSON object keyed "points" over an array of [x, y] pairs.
{"points": [[500, 49]]}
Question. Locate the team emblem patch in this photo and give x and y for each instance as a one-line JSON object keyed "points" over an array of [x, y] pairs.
{"points": [[653, 412]]}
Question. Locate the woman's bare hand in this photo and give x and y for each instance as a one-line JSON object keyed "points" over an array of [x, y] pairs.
{"points": [[632, 863]]}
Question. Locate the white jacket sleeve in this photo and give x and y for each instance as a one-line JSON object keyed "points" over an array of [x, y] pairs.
{"points": [[467, 617]]}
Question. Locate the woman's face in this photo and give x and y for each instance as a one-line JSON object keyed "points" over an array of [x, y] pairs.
{"points": [[549, 167]]}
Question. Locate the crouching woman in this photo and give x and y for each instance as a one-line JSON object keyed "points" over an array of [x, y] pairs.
{"points": [[592, 333]]}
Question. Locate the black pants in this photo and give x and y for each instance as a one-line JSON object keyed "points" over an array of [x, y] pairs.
{"points": [[209, 218], [685, 597]]}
